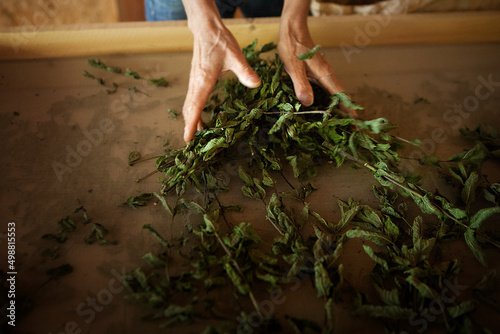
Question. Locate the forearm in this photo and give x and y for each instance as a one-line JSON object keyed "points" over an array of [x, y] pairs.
{"points": [[294, 20], [295, 11], [202, 14]]}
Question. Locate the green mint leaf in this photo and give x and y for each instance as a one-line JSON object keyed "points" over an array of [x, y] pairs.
{"points": [[132, 74], [309, 54], [161, 82], [136, 201], [162, 241]]}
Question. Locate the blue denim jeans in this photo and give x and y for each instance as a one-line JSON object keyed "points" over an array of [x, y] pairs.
{"points": [[166, 10]]}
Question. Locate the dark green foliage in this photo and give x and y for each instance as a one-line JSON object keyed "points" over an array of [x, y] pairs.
{"points": [[133, 157], [265, 132], [173, 113], [139, 200], [77, 221], [158, 82], [99, 64]]}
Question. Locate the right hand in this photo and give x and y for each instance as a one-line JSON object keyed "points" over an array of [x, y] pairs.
{"points": [[215, 52]]}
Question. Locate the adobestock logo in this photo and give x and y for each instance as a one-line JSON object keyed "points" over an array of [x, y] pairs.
{"points": [[120, 107], [96, 304], [372, 28], [436, 307], [84, 148], [454, 117]]}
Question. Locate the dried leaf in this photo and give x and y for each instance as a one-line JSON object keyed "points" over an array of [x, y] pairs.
{"points": [[469, 189], [483, 214], [322, 280], [136, 201], [461, 309], [377, 238], [161, 82], [132, 74], [164, 203], [379, 260], [133, 157], [162, 241], [474, 246], [424, 290], [309, 54], [389, 297]]}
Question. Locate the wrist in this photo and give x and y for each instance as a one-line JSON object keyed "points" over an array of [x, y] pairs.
{"points": [[202, 15], [296, 11]]}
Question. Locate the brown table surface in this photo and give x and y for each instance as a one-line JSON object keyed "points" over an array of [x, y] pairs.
{"points": [[50, 109]]}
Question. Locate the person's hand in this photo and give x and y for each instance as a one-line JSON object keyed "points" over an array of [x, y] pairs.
{"points": [[215, 52], [294, 39]]}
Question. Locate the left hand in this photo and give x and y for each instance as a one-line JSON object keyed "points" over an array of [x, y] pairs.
{"points": [[291, 43], [294, 38]]}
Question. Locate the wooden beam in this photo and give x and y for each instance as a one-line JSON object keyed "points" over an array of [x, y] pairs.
{"points": [[131, 10], [174, 36]]}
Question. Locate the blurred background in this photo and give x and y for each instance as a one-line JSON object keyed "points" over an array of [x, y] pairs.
{"points": [[60, 12]]}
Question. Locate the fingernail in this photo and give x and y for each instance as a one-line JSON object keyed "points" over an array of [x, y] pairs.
{"points": [[253, 80], [306, 99]]}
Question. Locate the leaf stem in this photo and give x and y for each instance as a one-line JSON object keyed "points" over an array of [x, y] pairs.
{"points": [[145, 159], [222, 210], [298, 112], [147, 176], [240, 272], [399, 184]]}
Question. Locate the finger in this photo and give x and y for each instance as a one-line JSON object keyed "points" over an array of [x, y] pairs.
{"points": [[200, 86], [297, 72], [346, 110], [190, 127], [333, 86], [243, 71], [329, 81], [325, 76]]}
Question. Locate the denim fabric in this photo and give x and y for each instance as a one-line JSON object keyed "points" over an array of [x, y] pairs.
{"points": [[166, 10]]}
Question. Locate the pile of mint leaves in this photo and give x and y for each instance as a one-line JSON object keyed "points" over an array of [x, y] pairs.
{"points": [[220, 274]]}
